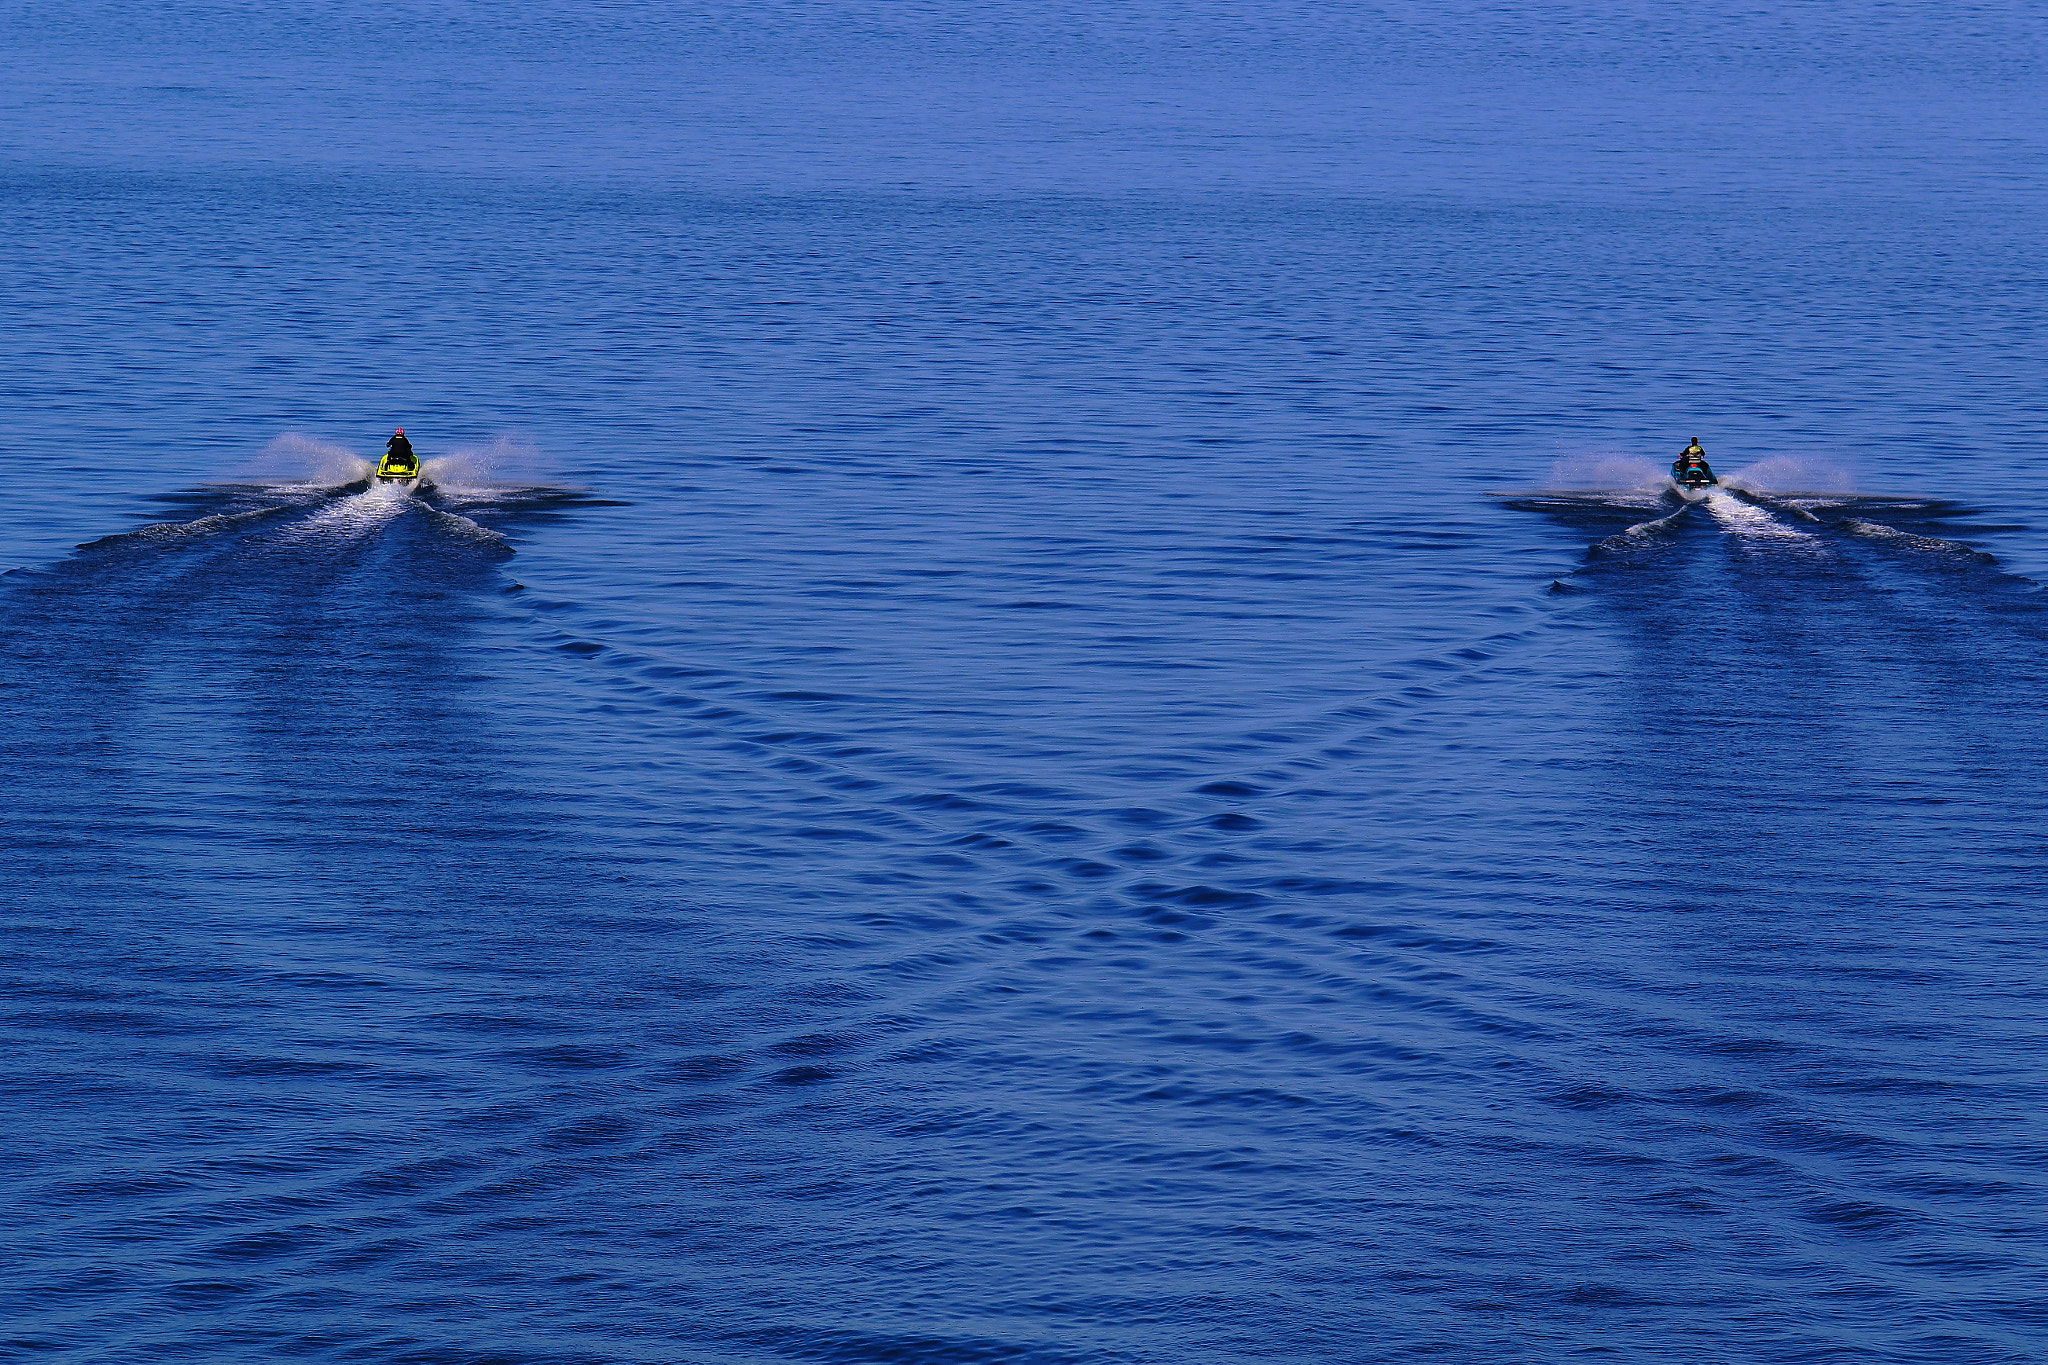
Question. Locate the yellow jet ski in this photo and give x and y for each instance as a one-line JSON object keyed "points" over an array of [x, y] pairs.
{"points": [[399, 464]]}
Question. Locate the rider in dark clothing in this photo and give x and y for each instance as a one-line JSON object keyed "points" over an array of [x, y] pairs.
{"points": [[1691, 463], [398, 456]]}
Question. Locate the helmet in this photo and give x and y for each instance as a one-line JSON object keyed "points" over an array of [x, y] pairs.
{"points": [[401, 431]]}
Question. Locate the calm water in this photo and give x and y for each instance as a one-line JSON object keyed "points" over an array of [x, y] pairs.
{"points": [[1046, 708]]}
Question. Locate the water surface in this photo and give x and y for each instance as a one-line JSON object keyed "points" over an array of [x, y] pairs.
{"points": [[1046, 706]]}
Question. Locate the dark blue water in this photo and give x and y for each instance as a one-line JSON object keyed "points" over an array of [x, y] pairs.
{"points": [[1046, 706]]}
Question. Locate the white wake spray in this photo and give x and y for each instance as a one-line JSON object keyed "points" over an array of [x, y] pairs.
{"points": [[1789, 474], [296, 460], [1745, 519], [1604, 472], [504, 462]]}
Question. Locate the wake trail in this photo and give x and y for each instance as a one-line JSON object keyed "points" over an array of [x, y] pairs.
{"points": [[1872, 520], [103, 609], [1746, 519], [165, 534], [1641, 536], [1757, 518], [1893, 537], [1777, 506], [358, 514]]}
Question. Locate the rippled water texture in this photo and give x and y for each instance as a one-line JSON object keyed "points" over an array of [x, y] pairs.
{"points": [[1045, 704]]}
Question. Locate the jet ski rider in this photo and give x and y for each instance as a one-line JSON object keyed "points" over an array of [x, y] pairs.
{"points": [[1691, 463], [398, 457]]}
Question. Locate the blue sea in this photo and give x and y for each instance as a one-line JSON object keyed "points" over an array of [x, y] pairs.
{"points": [[1047, 704]]}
